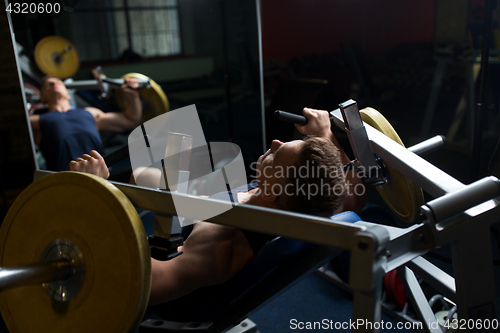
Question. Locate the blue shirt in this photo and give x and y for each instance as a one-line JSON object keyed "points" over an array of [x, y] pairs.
{"points": [[67, 136]]}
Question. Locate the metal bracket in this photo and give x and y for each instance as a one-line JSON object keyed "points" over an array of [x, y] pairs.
{"points": [[164, 243], [358, 138]]}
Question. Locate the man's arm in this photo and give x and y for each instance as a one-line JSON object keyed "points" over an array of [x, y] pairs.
{"points": [[319, 125], [120, 121], [212, 254]]}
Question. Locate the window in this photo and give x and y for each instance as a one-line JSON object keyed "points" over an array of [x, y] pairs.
{"points": [[104, 29]]}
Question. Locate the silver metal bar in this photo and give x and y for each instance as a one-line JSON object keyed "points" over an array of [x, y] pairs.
{"points": [[359, 140], [366, 275], [292, 225], [438, 279], [350, 113], [471, 195], [421, 306], [460, 226], [42, 272], [428, 146], [82, 84], [405, 244], [269, 221], [430, 178], [408, 246], [261, 76]]}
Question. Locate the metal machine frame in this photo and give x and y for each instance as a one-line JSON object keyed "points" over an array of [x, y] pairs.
{"points": [[461, 216]]}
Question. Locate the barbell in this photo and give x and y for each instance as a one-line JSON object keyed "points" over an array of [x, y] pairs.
{"points": [[57, 56]]}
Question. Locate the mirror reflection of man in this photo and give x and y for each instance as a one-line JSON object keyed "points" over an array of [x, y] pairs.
{"points": [[64, 133]]}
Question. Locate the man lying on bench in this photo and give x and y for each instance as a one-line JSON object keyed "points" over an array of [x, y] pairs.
{"points": [[285, 174]]}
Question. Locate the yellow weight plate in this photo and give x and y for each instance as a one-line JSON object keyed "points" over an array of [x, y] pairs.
{"points": [[402, 195], [101, 221], [57, 56], [155, 100]]}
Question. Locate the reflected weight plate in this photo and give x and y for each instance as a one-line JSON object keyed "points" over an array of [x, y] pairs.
{"points": [[402, 195], [46, 52], [155, 101], [99, 219]]}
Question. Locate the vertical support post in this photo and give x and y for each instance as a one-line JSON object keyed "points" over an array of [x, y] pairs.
{"points": [[261, 76], [478, 119], [368, 256]]}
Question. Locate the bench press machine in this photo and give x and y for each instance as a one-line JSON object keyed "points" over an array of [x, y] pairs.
{"points": [[461, 215]]}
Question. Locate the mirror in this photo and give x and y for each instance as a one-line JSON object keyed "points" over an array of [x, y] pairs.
{"points": [[205, 53]]}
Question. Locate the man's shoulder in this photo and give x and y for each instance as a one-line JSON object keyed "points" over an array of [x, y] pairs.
{"points": [[95, 112]]}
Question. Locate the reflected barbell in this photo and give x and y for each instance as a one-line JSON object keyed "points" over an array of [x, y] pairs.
{"points": [[153, 98], [57, 56]]}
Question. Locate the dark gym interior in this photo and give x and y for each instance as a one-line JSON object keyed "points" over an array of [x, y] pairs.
{"points": [[417, 62]]}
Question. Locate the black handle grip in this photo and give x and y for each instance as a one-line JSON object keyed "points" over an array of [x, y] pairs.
{"points": [[293, 118], [124, 152], [290, 117]]}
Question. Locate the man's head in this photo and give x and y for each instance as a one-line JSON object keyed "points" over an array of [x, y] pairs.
{"points": [[303, 176], [52, 88]]}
